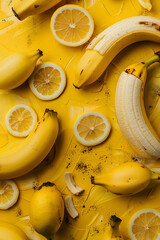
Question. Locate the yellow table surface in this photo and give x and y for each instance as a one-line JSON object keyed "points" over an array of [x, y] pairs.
{"points": [[96, 204]]}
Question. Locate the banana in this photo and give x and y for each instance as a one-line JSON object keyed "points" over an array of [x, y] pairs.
{"points": [[9, 231], [70, 207], [35, 148], [104, 47], [16, 68], [22, 8], [126, 179], [47, 210], [130, 110], [71, 185]]}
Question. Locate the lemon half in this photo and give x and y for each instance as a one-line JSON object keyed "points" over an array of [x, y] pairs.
{"points": [[20, 120], [8, 194], [47, 81], [72, 25], [92, 128]]}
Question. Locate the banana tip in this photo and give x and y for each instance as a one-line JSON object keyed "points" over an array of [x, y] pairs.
{"points": [[15, 13], [158, 53], [47, 110], [40, 52], [46, 184], [92, 179], [76, 86]]}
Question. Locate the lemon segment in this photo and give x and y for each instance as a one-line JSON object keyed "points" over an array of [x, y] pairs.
{"points": [[48, 81], [145, 225], [8, 194], [146, 4], [72, 25], [92, 128], [20, 120]]}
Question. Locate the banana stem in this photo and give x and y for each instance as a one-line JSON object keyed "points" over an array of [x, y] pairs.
{"points": [[155, 176], [153, 59]]}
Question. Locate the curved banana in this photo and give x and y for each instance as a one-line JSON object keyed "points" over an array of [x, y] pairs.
{"points": [[23, 9], [126, 179], [16, 68], [70, 207], [130, 110], [47, 210], [9, 231], [34, 149], [71, 185], [104, 47]]}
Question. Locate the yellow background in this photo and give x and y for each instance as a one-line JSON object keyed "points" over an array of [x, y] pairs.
{"points": [[96, 204]]}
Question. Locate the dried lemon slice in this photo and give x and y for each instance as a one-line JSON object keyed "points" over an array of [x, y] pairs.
{"points": [[47, 81], [92, 128], [146, 4], [20, 120], [72, 25], [8, 194]]}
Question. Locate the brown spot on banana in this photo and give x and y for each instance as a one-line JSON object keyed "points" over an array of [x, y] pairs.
{"points": [[130, 71], [150, 24]]}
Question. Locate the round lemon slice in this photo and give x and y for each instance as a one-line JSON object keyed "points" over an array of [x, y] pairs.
{"points": [[20, 120], [92, 128], [72, 25], [146, 4], [145, 225], [47, 81], [8, 194]]}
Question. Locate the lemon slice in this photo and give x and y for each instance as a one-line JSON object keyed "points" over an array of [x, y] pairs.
{"points": [[20, 120], [145, 225], [47, 81], [146, 4], [92, 128], [72, 25], [8, 194]]}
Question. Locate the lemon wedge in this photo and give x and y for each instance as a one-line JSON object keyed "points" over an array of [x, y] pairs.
{"points": [[20, 120], [92, 128], [146, 4], [47, 81], [8, 194], [72, 25]]}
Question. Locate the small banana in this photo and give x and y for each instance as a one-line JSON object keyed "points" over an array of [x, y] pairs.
{"points": [[130, 110], [71, 185], [11, 232], [16, 68], [105, 46], [47, 210], [126, 179], [24, 8], [35, 148], [70, 207]]}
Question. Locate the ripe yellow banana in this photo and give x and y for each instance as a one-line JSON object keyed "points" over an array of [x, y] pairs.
{"points": [[104, 47], [130, 110], [126, 179], [47, 210], [24, 8], [16, 68], [35, 148], [11, 232]]}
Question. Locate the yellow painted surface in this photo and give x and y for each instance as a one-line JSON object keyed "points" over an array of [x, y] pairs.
{"points": [[95, 205]]}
